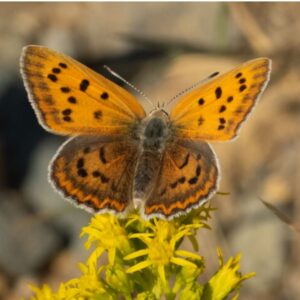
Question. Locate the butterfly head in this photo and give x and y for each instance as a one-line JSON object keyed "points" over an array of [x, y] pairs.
{"points": [[159, 113]]}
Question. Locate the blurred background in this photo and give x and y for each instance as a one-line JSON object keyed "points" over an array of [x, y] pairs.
{"points": [[161, 48]]}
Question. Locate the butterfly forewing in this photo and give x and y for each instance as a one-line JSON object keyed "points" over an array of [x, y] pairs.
{"points": [[215, 110], [70, 98]]}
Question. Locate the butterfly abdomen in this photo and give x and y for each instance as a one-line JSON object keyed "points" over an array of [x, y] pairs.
{"points": [[146, 172]]}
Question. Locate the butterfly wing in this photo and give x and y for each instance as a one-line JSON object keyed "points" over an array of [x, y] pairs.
{"points": [[70, 98], [188, 176], [97, 176], [216, 110]]}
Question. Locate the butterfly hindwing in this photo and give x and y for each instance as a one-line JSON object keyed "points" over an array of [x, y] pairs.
{"points": [[216, 110], [70, 98], [94, 173], [188, 176]]}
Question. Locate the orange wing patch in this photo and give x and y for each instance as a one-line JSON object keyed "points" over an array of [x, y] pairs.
{"points": [[70, 98], [216, 110]]}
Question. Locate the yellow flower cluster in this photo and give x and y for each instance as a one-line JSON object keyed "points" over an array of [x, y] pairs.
{"points": [[145, 262]]}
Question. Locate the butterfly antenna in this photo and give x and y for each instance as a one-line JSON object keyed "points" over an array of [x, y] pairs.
{"points": [[129, 84], [193, 86]]}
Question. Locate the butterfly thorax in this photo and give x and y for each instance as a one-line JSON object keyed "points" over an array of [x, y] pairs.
{"points": [[155, 131]]}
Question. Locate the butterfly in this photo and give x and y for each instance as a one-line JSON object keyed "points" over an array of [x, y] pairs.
{"points": [[119, 158]]}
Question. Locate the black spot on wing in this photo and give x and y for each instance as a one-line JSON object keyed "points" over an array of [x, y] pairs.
{"points": [[67, 119], [243, 87], [82, 173], [173, 185], [56, 70], [72, 100], [181, 179], [63, 65], [201, 101], [222, 108], [185, 162], [98, 114], [65, 89], [98, 174], [104, 96], [229, 99], [102, 155], [52, 77], [198, 171], [193, 180], [104, 179], [84, 84], [218, 92], [222, 120], [67, 111], [80, 163]]}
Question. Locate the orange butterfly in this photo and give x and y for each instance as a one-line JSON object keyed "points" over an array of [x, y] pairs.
{"points": [[119, 157]]}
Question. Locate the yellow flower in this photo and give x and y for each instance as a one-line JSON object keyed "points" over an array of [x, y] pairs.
{"points": [[192, 292], [226, 280], [161, 248], [117, 277], [63, 293], [153, 249], [108, 234], [43, 293], [89, 283]]}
